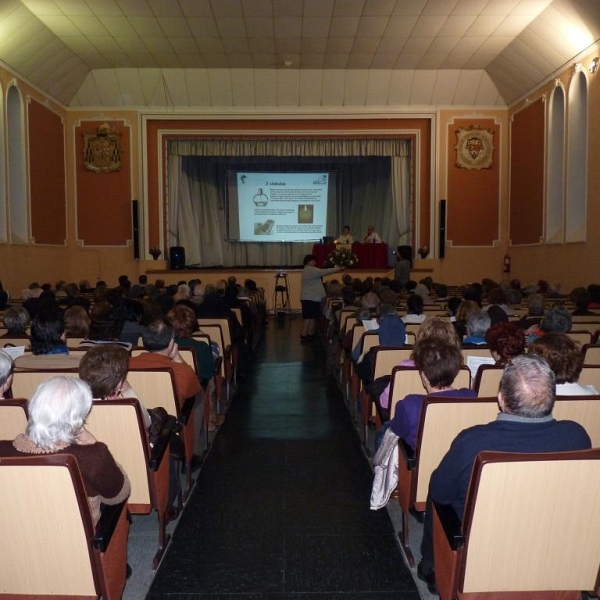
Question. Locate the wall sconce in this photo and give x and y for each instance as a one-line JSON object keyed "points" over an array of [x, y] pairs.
{"points": [[594, 66]]}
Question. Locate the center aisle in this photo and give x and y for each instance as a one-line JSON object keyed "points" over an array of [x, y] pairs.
{"points": [[281, 507]]}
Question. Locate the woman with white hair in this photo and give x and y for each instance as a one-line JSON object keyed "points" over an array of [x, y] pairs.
{"points": [[7, 367], [57, 413]]}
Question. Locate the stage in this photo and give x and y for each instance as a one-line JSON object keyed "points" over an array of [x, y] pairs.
{"points": [[266, 278]]}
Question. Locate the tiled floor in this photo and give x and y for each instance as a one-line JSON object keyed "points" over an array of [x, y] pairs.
{"points": [[281, 506]]}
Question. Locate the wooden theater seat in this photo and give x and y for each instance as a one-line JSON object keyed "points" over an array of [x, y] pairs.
{"points": [[584, 410], [25, 382], [13, 418], [52, 549], [156, 387], [442, 419], [120, 425], [487, 380], [531, 529]]}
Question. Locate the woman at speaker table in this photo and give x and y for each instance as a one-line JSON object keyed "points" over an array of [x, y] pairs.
{"points": [[346, 237], [372, 236], [312, 293]]}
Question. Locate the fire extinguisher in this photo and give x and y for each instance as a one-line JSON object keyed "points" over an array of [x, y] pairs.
{"points": [[506, 263]]}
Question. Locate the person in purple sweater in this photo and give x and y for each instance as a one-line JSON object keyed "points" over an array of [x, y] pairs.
{"points": [[524, 424], [438, 362]]}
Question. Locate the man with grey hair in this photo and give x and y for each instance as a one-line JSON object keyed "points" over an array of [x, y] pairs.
{"points": [[524, 424], [477, 325], [16, 321]]}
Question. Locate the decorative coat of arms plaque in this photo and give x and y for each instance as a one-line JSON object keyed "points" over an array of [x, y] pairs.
{"points": [[102, 150], [474, 148]]}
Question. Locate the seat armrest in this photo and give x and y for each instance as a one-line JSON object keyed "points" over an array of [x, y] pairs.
{"points": [[451, 524], [106, 525], [159, 448], [187, 409], [408, 454]]}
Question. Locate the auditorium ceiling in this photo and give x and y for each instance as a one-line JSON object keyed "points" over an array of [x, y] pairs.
{"points": [[181, 54]]}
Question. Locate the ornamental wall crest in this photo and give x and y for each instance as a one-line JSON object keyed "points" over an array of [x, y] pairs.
{"points": [[102, 150], [474, 148]]}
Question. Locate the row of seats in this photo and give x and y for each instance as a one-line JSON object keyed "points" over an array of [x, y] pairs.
{"points": [[119, 424]]}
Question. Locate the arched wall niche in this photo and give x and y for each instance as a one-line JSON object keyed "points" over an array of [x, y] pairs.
{"points": [[3, 212], [18, 200], [577, 138], [555, 167]]}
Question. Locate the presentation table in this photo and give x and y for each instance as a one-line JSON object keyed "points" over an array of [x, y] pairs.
{"points": [[370, 256]]}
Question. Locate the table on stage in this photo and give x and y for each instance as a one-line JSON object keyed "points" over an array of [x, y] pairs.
{"points": [[370, 256]]}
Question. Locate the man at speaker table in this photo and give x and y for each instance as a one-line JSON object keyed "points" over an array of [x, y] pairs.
{"points": [[346, 237], [372, 236]]}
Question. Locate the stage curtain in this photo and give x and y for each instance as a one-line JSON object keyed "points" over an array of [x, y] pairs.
{"points": [[375, 190]]}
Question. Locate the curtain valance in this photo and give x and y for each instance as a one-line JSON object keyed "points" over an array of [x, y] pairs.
{"points": [[289, 147]]}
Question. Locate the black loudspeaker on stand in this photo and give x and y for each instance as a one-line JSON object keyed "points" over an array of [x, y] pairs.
{"points": [[176, 257], [442, 230]]}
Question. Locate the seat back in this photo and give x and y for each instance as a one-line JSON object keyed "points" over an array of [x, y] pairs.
{"points": [[580, 337], [13, 418], [584, 410], [14, 342], [442, 419], [120, 425], [155, 387], [346, 317], [487, 380], [25, 383], [225, 328], [591, 354], [406, 380], [590, 375], [387, 358], [369, 340], [562, 525], [46, 523], [215, 335]]}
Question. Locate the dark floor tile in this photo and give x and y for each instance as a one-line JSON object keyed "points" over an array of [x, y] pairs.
{"points": [[345, 563]]}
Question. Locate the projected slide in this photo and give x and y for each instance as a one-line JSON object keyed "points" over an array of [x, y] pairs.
{"points": [[276, 207]]}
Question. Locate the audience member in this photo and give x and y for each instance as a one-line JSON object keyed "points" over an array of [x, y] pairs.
{"points": [[581, 299], [4, 297], [477, 325], [432, 327], [566, 360], [162, 351], [506, 340], [7, 367], [414, 309], [525, 424], [56, 425], [438, 363], [556, 319], [77, 322], [104, 369], [16, 321], [48, 333]]}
